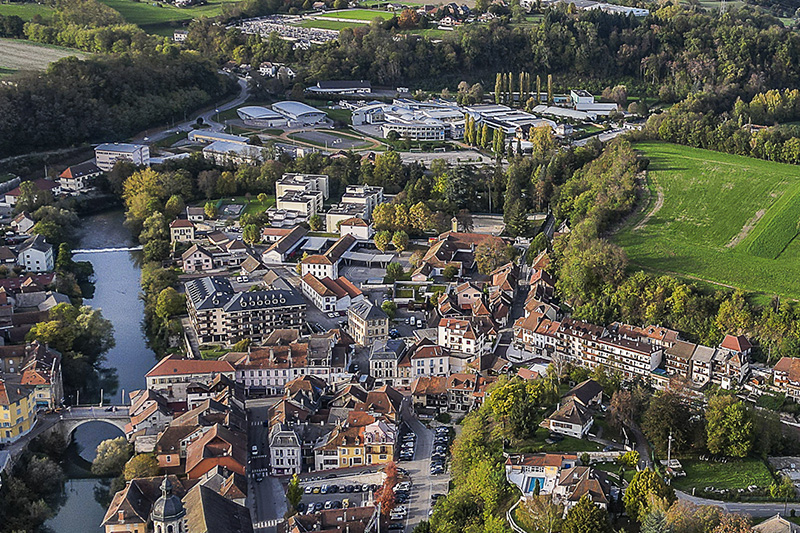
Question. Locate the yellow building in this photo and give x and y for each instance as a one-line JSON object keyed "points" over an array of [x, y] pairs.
{"points": [[17, 408]]}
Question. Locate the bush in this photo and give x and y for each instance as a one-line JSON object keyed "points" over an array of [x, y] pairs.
{"points": [[444, 418]]}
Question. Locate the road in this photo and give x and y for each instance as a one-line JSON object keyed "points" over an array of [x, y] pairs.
{"points": [[760, 509], [266, 500], [154, 135], [423, 483]]}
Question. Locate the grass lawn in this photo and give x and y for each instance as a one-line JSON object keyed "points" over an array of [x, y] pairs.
{"points": [[725, 219], [568, 444], [213, 353], [358, 14], [168, 141], [26, 11], [160, 17], [16, 54], [330, 24], [730, 475]]}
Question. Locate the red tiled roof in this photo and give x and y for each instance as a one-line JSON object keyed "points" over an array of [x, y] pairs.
{"points": [[176, 366], [737, 343], [181, 223]]}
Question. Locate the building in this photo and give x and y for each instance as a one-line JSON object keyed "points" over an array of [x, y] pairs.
{"points": [[456, 249], [42, 370], [364, 195], [588, 393], [527, 470], [367, 323], [357, 227], [776, 524], [384, 360], [22, 223], [208, 137], [223, 152], [341, 87], [130, 508], [330, 295], [218, 314], [461, 335], [364, 519], [218, 447], [327, 264], [786, 377], [299, 114], [285, 246], [285, 451], [261, 117], [361, 440], [17, 408], [106, 155], [430, 359], [582, 481], [172, 375], [512, 122], [181, 230], [301, 194], [571, 419], [36, 255], [78, 178], [584, 101], [40, 186]]}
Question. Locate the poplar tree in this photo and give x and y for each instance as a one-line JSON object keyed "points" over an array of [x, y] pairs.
{"points": [[538, 89], [510, 89], [549, 88], [485, 136], [498, 87]]}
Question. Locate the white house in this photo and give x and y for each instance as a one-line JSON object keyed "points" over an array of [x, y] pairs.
{"points": [[328, 294], [572, 420], [357, 227], [36, 255]]}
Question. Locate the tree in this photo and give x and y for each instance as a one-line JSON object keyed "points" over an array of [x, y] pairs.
{"points": [[622, 409], [251, 234], [315, 223], [729, 426], [450, 272], [655, 522], [416, 258], [385, 494], [541, 514], [142, 465], [400, 240], [498, 142], [484, 136], [586, 517], [112, 454], [210, 210], [170, 303], [294, 493], [629, 459], [43, 472], [491, 254], [498, 88], [382, 239], [664, 415], [241, 346], [549, 88], [394, 271], [390, 308], [734, 523], [783, 490], [686, 517], [645, 487], [174, 207]]}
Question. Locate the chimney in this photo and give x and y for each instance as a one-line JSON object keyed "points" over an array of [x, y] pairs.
{"points": [[271, 355]]}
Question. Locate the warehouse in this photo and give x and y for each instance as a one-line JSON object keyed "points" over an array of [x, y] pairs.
{"points": [[299, 114]]}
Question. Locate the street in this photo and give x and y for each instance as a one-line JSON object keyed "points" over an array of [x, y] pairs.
{"points": [[266, 499]]}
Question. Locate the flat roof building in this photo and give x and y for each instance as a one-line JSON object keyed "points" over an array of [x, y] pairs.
{"points": [[299, 113], [107, 154], [254, 115]]}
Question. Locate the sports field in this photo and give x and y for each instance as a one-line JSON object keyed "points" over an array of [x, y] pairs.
{"points": [[159, 18], [26, 55], [722, 218]]}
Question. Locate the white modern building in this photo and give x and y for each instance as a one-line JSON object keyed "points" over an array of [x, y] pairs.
{"points": [[298, 113], [263, 117], [107, 154]]}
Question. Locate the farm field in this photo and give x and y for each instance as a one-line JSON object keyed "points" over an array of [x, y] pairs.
{"points": [[25, 55], [161, 18], [26, 11], [722, 218], [357, 14]]}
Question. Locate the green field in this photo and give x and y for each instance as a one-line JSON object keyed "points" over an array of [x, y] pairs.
{"points": [[160, 18], [358, 14], [725, 219], [26, 55], [26, 11], [731, 475]]}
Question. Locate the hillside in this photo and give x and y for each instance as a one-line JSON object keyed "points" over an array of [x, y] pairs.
{"points": [[727, 219]]}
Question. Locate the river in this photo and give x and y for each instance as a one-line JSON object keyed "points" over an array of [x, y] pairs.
{"points": [[116, 293]]}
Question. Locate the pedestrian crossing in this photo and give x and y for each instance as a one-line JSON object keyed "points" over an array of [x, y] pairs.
{"points": [[267, 523]]}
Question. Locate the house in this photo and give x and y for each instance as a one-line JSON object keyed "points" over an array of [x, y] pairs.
{"points": [[284, 247], [106, 155], [582, 481], [430, 359], [456, 249], [40, 186], [571, 419], [384, 361], [17, 408], [526, 470], [362, 439], [384, 402], [365, 519], [367, 323], [195, 214], [36, 255], [181, 230], [330, 295], [78, 178], [41, 369], [467, 294], [172, 375], [285, 451], [197, 259], [219, 446], [465, 336], [327, 264], [430, 392], [587, 393], [786, 377], [273, 234], [148, 409], [776, 524], [464, 391], [22, 223], [357, 227]]}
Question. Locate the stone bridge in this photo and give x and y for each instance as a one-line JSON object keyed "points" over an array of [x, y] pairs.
{"points": [[75, 417]]}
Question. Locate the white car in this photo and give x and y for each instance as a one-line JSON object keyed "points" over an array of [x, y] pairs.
{"points": [[400, 511], [254, 450]]}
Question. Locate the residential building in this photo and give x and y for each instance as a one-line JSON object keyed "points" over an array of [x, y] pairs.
{"points": [[218, 314], [40, 186], [465, 336], [384, 361], [285, 246], [23, 222], [78, 178], [42, 370], [172, 375], [224, 152], [218, 447], [456, 249], [106, 155], [330, 295], [430, 359], [776, 524], [17, 408], [149, 409], [360, 440], [357, 227], [588, 393], [367, 323], [197, 259], [526, 470], [430, 393], [786, 377], [364, 519], [338, 213], [571, 419], [36, 255], [181, 230], [195, 214], [582, 481], [363, 195], [384, 403], [465, 391], [285, 451], [327, 264]]}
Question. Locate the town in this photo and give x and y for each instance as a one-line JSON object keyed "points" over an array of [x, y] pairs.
{"points": [[496, 266]]}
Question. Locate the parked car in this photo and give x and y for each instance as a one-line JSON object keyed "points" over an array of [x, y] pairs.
{"points": [[346, 503], [307, 490], [253, 450], [328, 505]]}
